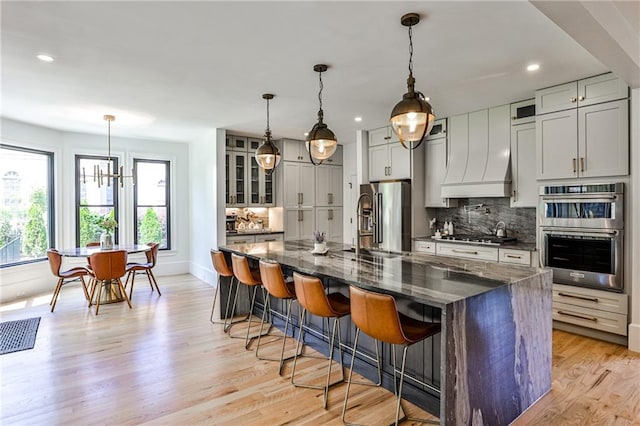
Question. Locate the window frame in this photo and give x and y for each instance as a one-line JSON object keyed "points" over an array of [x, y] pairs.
{"points": [[167, 197], [50, 188], [116, 196]]}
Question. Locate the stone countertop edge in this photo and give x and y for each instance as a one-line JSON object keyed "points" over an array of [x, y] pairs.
{"points": [[515, 246], [233, 234], [447, 281]]}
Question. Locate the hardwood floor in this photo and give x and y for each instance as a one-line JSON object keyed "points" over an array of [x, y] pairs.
{"points": [[163, 362]]}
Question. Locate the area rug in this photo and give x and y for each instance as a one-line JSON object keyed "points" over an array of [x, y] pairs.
{"points": [[18, 335]]}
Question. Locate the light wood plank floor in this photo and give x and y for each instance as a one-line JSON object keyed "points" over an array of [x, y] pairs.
{"points": [[163, 362]]}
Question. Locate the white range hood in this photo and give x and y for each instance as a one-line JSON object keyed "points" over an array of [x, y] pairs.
{"points": [[479, 161]]}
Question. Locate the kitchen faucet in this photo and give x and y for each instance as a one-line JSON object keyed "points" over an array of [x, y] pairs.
{"points": [[358, 216]]}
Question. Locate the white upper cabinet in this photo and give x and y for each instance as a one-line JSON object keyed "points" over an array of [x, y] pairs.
{"points": [[294, 150], [524, 187], [590, 137], [299, 184], [435, 169], [557, 98], [328, 185], [388, 159]]}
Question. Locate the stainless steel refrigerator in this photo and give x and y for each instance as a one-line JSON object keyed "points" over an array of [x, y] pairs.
{"points": [[384, 221]]}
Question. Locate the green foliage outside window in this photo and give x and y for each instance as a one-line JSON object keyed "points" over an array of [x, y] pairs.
{"points": [[89, 229], [35, 231], [150, 230]]}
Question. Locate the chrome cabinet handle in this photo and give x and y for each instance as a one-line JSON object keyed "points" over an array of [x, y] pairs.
{"points": [[573, 161], [589, 299], [594, 319], [573, 99], [464, 251], [331, 214], [581, 98], [582, 164]]}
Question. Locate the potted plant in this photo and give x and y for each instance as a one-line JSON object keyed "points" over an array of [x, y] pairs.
{"points": [[108, 226], [319, 245]]}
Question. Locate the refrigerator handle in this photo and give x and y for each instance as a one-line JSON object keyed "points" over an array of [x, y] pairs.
{"points": [[379, 237]]}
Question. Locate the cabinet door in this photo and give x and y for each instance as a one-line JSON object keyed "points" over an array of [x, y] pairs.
{"points": [[478, 146], [378, 163], [435, 168], [335, 224], [323, 185], [602, 88], [322, 220], [335, 186], [241, 239], [291, 150], [268, 238], [307, 223], [307, 184], [379, 136], [253, 144], [236, 179], [524, 188], [336, 158], [399, 161], [238, 143], [557, 98], [291, 186], [255, 182], [603, 139], [291, 224], [556, 147]]}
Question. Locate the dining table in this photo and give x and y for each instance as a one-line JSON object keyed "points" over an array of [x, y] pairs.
{"points": [[111, 292]]}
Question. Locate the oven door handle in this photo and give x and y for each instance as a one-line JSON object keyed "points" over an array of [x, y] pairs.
{"points": [[585, 232], [566, 198]]}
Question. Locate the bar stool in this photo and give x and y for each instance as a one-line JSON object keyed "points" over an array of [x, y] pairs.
{"points": [[377, 316], [276, 286], [223, 270], [251, 279], [312, 297]]}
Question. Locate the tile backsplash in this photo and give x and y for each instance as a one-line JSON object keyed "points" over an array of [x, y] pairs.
{"points": [[520, 222]]}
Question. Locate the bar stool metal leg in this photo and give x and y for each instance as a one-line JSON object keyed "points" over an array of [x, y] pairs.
{"points": [[282, 359]]}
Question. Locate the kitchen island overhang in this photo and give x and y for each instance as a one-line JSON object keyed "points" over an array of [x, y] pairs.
{"points": [[494, 351]]}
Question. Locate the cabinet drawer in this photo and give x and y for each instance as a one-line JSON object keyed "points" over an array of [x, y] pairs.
{"points": [[241, 239], [590, 318], [269, 237], [428, 247], [518, 257], [593, 299], [557, 98], [467, 251], [601, 88]]}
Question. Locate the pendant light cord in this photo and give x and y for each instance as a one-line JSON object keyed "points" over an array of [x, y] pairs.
{"points": [[410, 49], [109, 140], [320, 92], [268, 130]]}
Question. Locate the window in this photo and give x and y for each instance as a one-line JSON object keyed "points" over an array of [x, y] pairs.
{"points": [[26, 209], [93, 201], [151, 204]]}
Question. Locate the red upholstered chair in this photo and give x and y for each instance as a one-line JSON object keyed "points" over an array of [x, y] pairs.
{"points": [[64, 277], [377, 316], [108, 268], [144, 268]]}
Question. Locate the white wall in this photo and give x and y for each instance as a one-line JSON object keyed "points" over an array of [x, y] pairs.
{"points": [[206, 177], [35, 278], [633, 223]]}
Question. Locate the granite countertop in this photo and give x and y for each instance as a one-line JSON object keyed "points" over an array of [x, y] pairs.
{"points": [[518, 245], [254, 231], [431, 280]]}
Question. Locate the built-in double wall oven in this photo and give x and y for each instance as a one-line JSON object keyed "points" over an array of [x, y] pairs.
{"points": [[581, 234]]}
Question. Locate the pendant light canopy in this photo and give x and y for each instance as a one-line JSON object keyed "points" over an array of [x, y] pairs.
{"points": [[267, 154], [412, 118], [321, 141]]}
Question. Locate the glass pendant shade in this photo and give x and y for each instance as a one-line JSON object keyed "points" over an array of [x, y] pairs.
{"points": [[412, 118], [268, 156], [321, 142]]}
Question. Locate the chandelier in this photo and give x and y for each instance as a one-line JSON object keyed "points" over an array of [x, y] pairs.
{"points": [[100, 175]]}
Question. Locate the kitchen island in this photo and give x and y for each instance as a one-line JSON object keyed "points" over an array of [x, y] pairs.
{"points": [[492, 359]]}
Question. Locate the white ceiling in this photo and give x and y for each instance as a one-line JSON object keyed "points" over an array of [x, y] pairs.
{"points": [[173, 70]]}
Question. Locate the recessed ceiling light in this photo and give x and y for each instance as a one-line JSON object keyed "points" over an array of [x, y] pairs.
{"points": [[533, 67], [357, 119], [44, 57]]}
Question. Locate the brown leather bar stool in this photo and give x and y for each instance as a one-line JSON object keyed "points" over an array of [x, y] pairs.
{"points": [[251, 279], [313, 299], [73, 274], [377, 316], [223, 270], [276, 286]]}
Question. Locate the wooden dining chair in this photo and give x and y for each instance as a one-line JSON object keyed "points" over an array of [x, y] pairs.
{"points": [[108, 268], [144, 268], [64, 277]]}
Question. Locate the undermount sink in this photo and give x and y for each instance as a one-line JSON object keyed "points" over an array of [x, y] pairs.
{"points": [[374, 253]]}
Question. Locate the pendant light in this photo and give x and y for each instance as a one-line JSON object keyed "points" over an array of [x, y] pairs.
{"points": [[412, 118], [99, 175], [321, 141], [267, 154]]}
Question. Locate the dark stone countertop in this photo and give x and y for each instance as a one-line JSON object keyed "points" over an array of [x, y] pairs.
{"points": [[431, 280]]}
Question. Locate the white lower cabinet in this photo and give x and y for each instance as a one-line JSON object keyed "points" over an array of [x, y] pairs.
{"points": [[299, 223], [467, 251], [269, 237], [516, 257], [329, 221], [427, 247], [241, 239], [595, 309]]}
